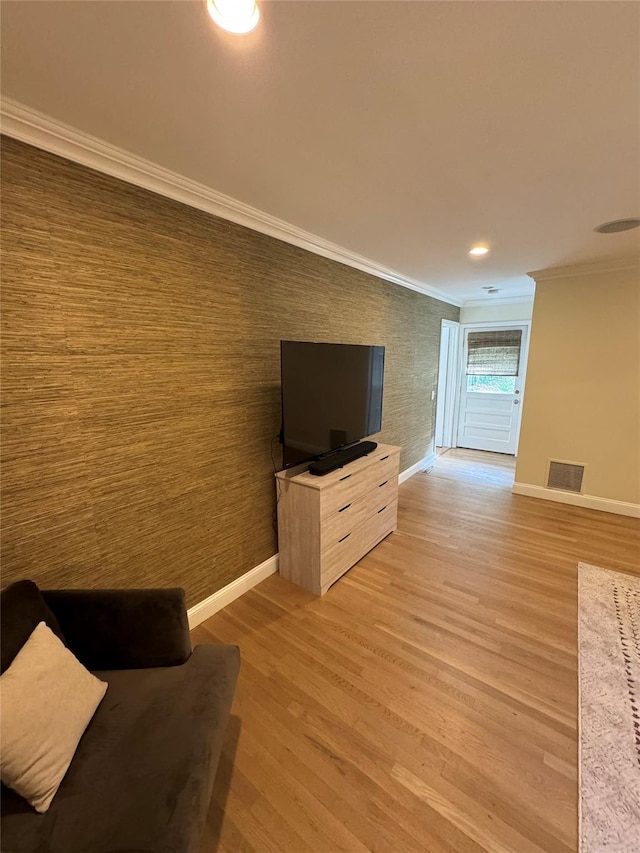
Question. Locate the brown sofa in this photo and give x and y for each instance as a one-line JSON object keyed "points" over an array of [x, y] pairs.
{"points": [[142, 776]]}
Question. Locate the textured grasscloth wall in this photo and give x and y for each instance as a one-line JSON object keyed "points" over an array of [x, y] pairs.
{"points": [[140, 373]]}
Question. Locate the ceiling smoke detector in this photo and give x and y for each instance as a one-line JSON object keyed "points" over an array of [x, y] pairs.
{"points": [[617, 225]]}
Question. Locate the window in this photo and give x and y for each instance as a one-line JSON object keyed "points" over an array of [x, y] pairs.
{"points": [[493, 361], [492, 384]]}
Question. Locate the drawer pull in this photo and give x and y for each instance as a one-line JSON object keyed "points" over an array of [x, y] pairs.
{"points": [[346, 477], [382, 510], [344, 537], [344, 507], [382, 458], [383, 484]]}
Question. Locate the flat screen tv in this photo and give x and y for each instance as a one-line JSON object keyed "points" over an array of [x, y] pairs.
{"points": [[331, 397]]}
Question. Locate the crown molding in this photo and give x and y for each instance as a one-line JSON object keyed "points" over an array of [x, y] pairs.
{"points": [[37, 129], [504, 300], [623, 264]]}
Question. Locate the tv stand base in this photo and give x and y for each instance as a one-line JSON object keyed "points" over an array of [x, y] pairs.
{"points": [[327, 524]]}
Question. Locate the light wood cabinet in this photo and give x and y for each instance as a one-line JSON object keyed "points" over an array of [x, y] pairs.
{"points": [[326, 524]]}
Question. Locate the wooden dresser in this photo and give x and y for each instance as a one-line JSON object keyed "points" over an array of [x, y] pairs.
{"points": [[326, 524]]}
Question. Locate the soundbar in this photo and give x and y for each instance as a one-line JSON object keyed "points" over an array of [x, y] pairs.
{"points": [[339, 458]]}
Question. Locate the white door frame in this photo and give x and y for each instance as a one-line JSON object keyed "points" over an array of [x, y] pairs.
{"points": [[524, 358], [447, 394]]}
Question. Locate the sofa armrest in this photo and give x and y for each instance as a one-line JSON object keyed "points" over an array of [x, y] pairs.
{"points": [[123, 628]]}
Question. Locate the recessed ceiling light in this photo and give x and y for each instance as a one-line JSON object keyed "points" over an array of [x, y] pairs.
{"points": [[617, 225], [478, 251], [235, 16]]}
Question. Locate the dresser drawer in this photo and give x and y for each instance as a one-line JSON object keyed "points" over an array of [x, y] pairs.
{"points": [[339, 557], [384, 493], [352, 486], [385, 473], [380, 524], [348, 489], [346, 520]]}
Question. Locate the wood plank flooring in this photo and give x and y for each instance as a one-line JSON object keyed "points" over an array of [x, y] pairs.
{"points": [[429, 701]]}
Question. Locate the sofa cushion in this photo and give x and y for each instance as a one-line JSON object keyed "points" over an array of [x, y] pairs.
{"points": [[142, 776], [23, 607], [48, 700], [123, 628]]}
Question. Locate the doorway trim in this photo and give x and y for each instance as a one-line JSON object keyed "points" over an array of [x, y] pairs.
{"points": [[447, 393]]}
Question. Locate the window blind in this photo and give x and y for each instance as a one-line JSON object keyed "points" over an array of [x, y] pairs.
{"points": [[495, 353]]}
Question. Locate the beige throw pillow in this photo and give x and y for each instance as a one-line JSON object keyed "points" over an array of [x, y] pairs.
{"points": [[47, 699]]}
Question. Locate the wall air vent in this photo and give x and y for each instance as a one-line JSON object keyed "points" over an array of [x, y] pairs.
{"points": [[566, 476]]}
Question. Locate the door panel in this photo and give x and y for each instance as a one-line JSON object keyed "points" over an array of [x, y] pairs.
{"points": [[490, 405]]}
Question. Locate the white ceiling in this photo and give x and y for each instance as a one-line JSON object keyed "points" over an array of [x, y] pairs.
{"points": [[401, 131]]}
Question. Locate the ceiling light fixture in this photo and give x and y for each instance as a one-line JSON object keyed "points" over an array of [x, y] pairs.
{"points": [[478, 251], [617, 225], [235, 16]]}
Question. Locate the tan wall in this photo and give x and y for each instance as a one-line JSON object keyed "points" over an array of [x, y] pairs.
{"points": [[497, 313], [140, 371], [583, 382]]}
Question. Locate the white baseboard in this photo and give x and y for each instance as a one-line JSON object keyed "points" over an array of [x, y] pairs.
{"points": [[587, 501], [427, 462], [206, 608]]}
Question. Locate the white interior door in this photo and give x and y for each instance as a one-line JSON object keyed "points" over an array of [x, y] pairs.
{"points": [[446, 427], [493, 372]]}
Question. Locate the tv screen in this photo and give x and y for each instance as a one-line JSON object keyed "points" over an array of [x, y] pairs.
{"points": [[331, 397]]}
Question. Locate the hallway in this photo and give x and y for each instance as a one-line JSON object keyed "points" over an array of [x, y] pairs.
{"points": [[474, 466]]}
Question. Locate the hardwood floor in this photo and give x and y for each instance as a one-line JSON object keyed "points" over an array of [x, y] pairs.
{"points": [[471, 466], [429, 701]]}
